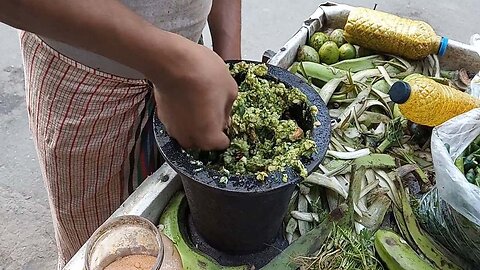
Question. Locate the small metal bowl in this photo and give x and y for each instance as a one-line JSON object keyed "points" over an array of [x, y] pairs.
{"points": [[123, 236]]}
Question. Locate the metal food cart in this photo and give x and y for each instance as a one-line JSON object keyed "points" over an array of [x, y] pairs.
{"points": [[151, 197]]}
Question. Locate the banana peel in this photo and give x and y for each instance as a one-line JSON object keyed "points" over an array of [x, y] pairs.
{"points": [[192, 259], [379, 161], [397, 213], [313, 240], [305, 245], [424, 244]]}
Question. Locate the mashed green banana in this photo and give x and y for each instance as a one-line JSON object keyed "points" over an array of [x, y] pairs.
{"points": [[264, 137]]}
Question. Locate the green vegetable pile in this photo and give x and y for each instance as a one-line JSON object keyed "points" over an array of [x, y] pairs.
{"points": [[468, 162], [265, 136], [369, 134]]}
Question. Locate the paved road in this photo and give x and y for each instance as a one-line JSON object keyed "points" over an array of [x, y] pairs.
{"points": [[26, 235]]}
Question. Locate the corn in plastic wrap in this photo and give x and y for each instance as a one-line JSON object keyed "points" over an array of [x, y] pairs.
{"points": [[391, 34]]}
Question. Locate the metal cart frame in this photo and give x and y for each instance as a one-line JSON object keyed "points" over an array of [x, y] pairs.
{"points": [[151, 197]]}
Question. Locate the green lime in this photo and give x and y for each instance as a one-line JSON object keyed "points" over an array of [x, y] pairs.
{"points": [[329, 53], [337, 37], [307, 54], [317, 40], [347, 51]]}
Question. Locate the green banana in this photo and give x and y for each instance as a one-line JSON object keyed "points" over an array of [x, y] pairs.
{"points": [[320, 72], [424, 244], [396, 253], [191, 258]]}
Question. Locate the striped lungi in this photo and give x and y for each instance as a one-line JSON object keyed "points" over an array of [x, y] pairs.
{"points": [[93, 135]]}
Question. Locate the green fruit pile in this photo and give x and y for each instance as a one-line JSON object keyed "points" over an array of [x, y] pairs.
{"points": [[328, 49]]}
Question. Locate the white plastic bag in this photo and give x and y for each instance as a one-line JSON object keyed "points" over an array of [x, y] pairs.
{"points": [[474, 88], [448, 142]]}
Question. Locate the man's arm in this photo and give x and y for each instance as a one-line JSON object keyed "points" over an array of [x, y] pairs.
{"points": [[105, 27], [195, 87], [225, 21]]}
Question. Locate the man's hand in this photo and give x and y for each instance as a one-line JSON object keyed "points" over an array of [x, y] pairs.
{"points": [[194, 102]]}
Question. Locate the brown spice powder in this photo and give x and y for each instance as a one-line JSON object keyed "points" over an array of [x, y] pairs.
{"points": [[133, 262]]}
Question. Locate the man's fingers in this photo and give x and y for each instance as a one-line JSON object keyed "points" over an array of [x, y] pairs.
{"points": [[206, 141], [214, 141], [232, 96]]}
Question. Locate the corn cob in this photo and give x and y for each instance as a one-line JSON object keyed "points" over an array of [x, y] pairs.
{"points": [[391, 34]]}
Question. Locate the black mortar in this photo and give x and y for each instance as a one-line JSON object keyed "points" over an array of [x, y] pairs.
{"points": [[245, 215], [256, 260]]}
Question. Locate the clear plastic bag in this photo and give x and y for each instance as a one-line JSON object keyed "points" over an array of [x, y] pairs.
{"points": [[474, 88], [450, 228], [451, 212]]}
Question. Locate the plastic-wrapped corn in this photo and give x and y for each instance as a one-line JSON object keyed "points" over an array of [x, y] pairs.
{"points": [[392, 34], [426, 102]]}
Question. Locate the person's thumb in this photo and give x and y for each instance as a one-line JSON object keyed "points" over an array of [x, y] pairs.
{"points": [[216, 141]]}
